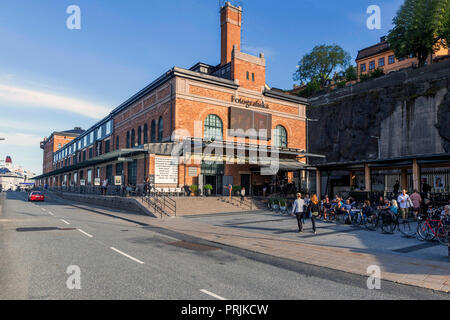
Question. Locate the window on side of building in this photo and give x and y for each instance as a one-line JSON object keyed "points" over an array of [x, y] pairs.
{"points": [[153, 131], [128, 139], [371, 65], [391, 59], [253, 77], [117, 143], [381, 62], [213, 129], [89, 177], [363, 67], [280, 137], [248, 75], [107, 146], [90, 153], [145, 133], [133, 138], [160, 129], [139, 137]]}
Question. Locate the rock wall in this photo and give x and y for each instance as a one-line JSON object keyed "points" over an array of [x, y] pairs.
{"points": [[407, 112]]}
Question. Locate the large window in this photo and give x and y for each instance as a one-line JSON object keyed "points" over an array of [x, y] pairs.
{"points": [[128, 139], [139, 137], [371, 65], [160, 129], [213, 128], [133, 138], [363, 67], [280, 137], [381, 62], [391, 59], [153, 131], [145, 134]]}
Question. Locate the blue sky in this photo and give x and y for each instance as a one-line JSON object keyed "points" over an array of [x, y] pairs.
{"points": [[53, 78]]}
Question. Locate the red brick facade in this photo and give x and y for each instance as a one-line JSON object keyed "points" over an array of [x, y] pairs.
{"points": [[183, 99]]}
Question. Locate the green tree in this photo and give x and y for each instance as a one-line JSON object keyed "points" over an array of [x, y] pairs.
{"points": [[418, 26], [351, 74], [320, 63]]}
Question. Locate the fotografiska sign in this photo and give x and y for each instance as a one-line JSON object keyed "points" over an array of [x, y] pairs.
{"points": [[249, 103]]}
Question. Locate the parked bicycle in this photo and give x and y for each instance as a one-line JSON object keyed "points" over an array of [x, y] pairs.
{"points": [[433, 226]]}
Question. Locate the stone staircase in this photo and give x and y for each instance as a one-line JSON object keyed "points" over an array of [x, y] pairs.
{"points": [[186, 206]]}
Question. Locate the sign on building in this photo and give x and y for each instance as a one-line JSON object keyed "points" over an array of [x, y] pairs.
{"points": [[82, 182], [166, 170], [117, 180], [97, 181]]}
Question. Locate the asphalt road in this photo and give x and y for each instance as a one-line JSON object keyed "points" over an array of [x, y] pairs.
{"points": [[119, 259]]}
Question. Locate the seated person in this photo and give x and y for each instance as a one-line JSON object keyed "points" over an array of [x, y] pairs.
{"points": [[368, 211], [393, 208]]}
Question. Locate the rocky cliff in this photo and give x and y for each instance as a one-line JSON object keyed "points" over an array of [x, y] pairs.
{"points": [[407, 112]]}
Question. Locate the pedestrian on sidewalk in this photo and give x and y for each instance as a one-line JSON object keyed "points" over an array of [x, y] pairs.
{"points": [[314, 211], [104, 186], [404, 202], [297, 209], [417, 202]]}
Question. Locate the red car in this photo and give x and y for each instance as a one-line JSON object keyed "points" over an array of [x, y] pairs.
{"points": [[36, 196]]}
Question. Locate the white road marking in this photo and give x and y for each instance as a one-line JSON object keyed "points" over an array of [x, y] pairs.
{"points": [[43, 209], [64, 221], [212, 294], [50, 213], [85, 233], [126, 255]]}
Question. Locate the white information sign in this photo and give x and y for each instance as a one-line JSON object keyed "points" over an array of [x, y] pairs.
{"points": [[166, 170]]}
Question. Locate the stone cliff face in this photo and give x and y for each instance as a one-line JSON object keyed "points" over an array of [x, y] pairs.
{"points": [[407, 112]]}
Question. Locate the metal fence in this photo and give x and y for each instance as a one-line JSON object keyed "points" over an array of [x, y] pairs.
{"points": [[119, 191]]}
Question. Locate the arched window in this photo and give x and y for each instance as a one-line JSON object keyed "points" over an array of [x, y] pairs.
{"points": [[153, 131], [139, 137], [117, 143], [280, 137], [128, 139], [213, 128], [145, 134], [133, 138], [160, 129]]}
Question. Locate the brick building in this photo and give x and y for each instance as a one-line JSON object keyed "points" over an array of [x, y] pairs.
{"points": [[382, 56], [183, 129]]}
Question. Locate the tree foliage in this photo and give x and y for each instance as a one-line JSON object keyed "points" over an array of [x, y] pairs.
{"points": [[320, 63], [418, 26]]}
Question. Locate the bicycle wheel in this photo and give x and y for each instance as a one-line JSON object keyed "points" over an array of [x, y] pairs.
{"points": [[406, 229], [442, 235], [424, 232], [387, 225], [371, 223]]}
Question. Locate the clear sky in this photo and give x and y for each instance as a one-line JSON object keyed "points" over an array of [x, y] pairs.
{"points": [[53, 78]]}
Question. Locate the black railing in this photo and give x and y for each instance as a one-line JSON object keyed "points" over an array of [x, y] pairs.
{"points": [[162, 203]]}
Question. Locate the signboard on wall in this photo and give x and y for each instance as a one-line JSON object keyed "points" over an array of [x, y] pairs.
{"points": [[242, 119], [166, 170], [96, 181], [82, 182], [118, 180]]}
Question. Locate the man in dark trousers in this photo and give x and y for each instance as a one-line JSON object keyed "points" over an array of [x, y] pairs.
{"points": [[297, 209]]}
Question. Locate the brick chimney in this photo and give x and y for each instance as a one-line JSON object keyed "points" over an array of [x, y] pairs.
{"points": [[230, 23]]}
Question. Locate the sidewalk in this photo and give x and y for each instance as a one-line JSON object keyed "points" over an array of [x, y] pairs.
{"points": [[433, 275]]}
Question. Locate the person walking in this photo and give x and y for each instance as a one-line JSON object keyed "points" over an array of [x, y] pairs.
{"points": [[417, 202], [297, 209], [314, 211], [404, 202], [104, 186]]}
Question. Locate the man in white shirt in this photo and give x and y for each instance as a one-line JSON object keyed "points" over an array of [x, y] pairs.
{"points": [[297, 209], [404, 202]]}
